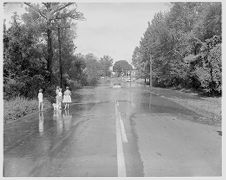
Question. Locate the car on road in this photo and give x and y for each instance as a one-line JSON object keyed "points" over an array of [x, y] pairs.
{"points": [[116, 85], [128, 80]]}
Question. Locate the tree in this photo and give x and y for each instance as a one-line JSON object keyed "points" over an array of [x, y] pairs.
{"points": [[105, 63], [209, 70], [121, 66], [24, 68], [137, 62], [50, 13], [92, 69], [26, 53], [183, 44], [75, 76], [210, 21]]}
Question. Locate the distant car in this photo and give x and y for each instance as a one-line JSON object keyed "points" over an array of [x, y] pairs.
{"points": [[128, 80], [116, 85]]}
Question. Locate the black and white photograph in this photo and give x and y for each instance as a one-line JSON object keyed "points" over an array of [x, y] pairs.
{"points": [[112, 89]]}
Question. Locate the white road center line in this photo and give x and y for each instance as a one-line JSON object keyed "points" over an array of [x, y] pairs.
{"points": [[123, 131], [120, 153], [122, 127]]}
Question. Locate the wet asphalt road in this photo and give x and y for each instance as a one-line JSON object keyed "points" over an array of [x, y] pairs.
{"points": [[112, 132]]}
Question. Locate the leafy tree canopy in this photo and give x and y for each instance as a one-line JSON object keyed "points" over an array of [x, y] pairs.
{"points": [[122, 66], [182, 45]]}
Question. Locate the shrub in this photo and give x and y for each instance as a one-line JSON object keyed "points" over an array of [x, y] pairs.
{"points": [[209, 74], [18, 107], [12, 88]]}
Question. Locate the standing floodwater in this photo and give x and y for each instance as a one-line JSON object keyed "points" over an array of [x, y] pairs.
{"points": [[163, 138]]}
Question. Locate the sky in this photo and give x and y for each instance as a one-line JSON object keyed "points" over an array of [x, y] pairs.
{"points": [[112, 29]]}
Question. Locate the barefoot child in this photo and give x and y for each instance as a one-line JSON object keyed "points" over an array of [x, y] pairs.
{"points": [[40, 100]]}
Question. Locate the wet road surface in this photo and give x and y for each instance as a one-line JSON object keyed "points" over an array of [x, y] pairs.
{"points": [[113, 132]]}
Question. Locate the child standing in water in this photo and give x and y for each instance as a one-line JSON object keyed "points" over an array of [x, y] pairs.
{"points": [[60, 97], [67, 98], [57, 92], [40, 100]]}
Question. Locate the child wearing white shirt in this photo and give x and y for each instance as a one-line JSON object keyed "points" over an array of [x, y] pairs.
{"points": [[59, 98], [40, 100]]}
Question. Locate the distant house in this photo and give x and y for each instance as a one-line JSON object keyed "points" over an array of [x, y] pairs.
{"points": [[133, 73]]}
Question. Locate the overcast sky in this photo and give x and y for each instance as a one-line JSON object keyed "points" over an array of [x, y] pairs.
{"points": [[112, 29]]}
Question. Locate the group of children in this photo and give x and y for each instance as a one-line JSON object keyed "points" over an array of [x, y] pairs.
{"points": [[66, 99]]}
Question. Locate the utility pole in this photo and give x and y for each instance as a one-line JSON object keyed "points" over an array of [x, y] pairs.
{"points": [[150, 81], [59, 28], [130, 77], [60, 60]]}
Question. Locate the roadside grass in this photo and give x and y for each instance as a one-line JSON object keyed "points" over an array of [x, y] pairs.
{"points": [[20, 107], [208, 107]]}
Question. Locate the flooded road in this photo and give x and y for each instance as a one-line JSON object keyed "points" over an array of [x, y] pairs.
{"points": [[111, 132]]}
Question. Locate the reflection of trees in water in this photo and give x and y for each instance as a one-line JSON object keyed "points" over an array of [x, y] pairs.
{"points": [[41, 123]]}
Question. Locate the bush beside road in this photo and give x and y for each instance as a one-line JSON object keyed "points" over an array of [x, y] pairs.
{"points": [[19, 107]]}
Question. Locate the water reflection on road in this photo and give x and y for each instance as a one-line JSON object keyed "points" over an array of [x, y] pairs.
{"points": [[62, 118], [41, 123], [33, 142]]}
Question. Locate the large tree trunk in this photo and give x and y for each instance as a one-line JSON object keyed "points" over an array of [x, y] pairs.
{"points": [[60, 61], [50, 51], [49, 44]]}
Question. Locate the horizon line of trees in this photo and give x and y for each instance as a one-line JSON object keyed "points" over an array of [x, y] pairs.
{"points": [[183, 47]]}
